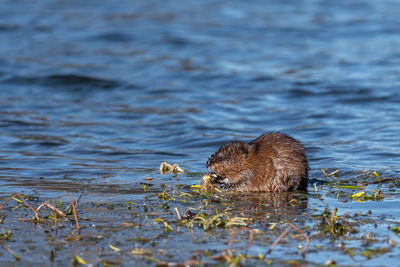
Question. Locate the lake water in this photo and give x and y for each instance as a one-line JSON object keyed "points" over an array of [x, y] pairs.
{"points": [[94, 96]]}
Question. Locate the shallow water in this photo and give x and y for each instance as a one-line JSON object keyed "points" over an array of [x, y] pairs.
{"points": [[93, 97]]}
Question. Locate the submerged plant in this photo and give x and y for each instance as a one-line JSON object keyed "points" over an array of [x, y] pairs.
{"points": [[232, 260], [221, 220], [164, 196], [334, 225], [369, 253], [6, 235]]}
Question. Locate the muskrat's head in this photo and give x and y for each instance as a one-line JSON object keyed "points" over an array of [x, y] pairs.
{"points": [[227, 163]]}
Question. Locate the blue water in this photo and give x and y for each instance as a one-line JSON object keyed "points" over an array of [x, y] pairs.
{"points": [[89, 88], [95, 95]]}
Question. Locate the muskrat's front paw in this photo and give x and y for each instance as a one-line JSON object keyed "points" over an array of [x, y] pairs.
{"points": [[208, 184], [214, 178]]}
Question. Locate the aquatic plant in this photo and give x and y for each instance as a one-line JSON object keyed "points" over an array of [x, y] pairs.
{"points": [[165, 168], [219, 220], [56, 212]]}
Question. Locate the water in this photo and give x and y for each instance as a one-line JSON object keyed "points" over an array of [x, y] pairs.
{"points": [[94, 96]]}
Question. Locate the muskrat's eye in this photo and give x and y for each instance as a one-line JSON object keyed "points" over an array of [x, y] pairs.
{"points": [[220, 157]]}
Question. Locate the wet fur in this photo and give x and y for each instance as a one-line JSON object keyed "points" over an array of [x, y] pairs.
{"points": [[272, 162]]}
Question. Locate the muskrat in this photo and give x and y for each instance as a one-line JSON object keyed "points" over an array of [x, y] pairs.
{"points": [[272, 162]]}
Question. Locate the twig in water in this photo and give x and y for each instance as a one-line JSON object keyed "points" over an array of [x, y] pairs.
{"points": [[250, 240], [76, 203], [45, 204], [323, 196], [277, 240], [177, 213], [379, 181], [37, 216], [73, 209], [284, 233], [303, 234], [330, 174], [17, 257], [188, 263]]}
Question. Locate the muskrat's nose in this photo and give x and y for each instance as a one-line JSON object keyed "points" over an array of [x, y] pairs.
{"points": [[209, 163]]}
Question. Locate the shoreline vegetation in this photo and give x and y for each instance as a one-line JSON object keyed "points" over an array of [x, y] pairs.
{"points": [[200, 225]]}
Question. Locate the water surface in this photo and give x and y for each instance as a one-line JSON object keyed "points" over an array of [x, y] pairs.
{"points": [[93, 97]]}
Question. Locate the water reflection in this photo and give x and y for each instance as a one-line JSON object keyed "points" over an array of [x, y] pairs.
{"points": [[264, 205]]}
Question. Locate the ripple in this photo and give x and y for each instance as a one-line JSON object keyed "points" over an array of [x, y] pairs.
{"points": [[112, 37], [70, 81], [100, 89]]}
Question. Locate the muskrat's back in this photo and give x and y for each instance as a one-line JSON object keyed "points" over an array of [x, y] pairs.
{"points": [[272, 162]]}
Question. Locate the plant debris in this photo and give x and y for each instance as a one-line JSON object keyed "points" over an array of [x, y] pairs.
{"points": [[165, 168], [219, 220], [203, 225], [206, 186], [37, 218]]}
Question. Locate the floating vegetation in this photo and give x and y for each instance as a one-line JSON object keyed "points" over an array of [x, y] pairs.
{"points": [[361, 196], [202, 225], [56, 212], [369, 253], [167, 227], [352, 187], [114, 248], [333, 174], [16, 256], [6, 235], [165, 168], [332, 224], [164, 196], [219, 220], [141, 252], [206, 186], [396, 230], [79, 260]]}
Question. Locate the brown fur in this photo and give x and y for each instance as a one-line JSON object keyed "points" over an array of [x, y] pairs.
{"points": [[272, 162]]}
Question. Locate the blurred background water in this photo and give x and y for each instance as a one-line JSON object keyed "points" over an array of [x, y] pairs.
{"points": [[93, 96]]}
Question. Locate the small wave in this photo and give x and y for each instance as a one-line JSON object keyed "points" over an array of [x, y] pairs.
{"points": [[8, 123], [112, 37], [9, 27], [67, 81]]}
